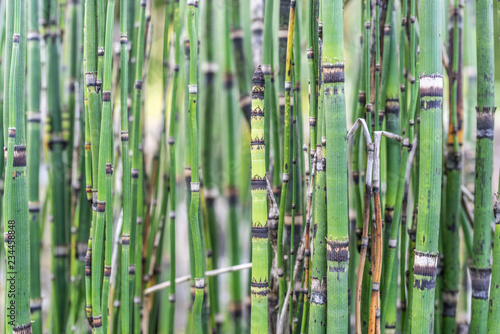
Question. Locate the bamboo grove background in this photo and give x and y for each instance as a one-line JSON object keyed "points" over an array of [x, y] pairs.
{"points": [[310, 166]]}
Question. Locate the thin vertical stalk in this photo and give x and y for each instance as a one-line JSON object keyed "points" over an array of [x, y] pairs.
{"points": [[259, 283], [429, 199], [286, 155], [106, 139], [199, 275], [172, 167], [480, 270], [126, 179], [231, 183], [317, 317], [16, 215], [337, 253], [58, 181], [396, 171], [6, 59], [241, 62], [33, 155], [451, 261]]}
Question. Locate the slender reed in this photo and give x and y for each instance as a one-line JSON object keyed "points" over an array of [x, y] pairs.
{"points": [[106, 160], [33, 127], [16, 215], [337, 249], [199, 275], [451, 263], [126, 179], [286, 155], [259, 283], [429, 200]]}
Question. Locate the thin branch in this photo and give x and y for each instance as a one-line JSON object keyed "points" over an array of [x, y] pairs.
{"points": [[298, 261], [186, 278]]}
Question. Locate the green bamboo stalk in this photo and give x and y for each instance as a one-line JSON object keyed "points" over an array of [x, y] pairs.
{"points": [[431, 95], [241, 61], [34, 118], [480, 270], [451, 262], [139, 228], [494, 307], [9, 30], [195, 183], [126, 179], [16, 216], [172, 168], [210, 71], [313, 95], [396, 171], [98, 169], [376, 117], [2, 95], [286, 140], [259, 283], [106, 139], [57, 145], [337, 253], [236, 307], [317, 317], [367, 61]]}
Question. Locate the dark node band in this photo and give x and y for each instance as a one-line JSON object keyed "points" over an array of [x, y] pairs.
{"points": [[480, 281], [106, 96], [124, 135], [259, 184], [337, 251], [333, 73], [19, 156], [260, 232], [135, 173], [125, 239]]}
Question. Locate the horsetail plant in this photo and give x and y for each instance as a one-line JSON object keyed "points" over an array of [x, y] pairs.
{"points": [[33, 160], [480, 270], [199, 275], [126, 179], [259, 208], [16, 216], [453, 168], [431, 96], [337, 238], [286, 155], [289, 289]]}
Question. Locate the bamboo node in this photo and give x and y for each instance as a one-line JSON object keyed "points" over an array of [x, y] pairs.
{"points": [[125, 239], [16, 38], [480, 281], [106, 96], [101, 206], [195, 187], [134, 173], [19, 156], [193, 89], [131, 269], [199, 283], [138, 84], [22, 329], [123, 136]]}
